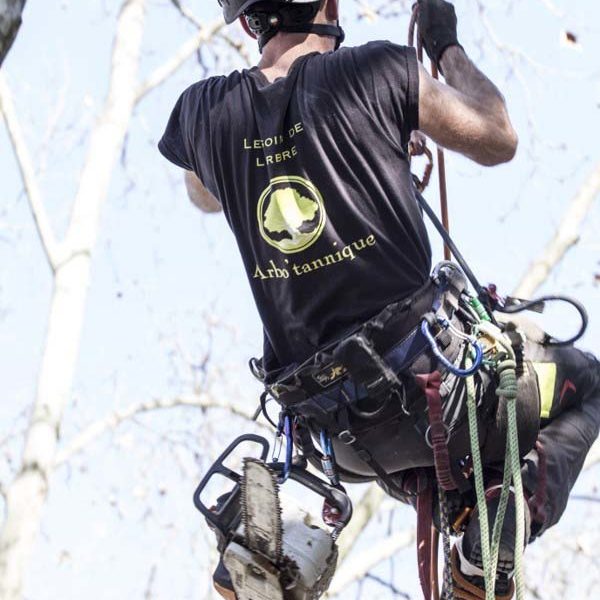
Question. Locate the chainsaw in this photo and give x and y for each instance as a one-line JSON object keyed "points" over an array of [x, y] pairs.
{"points": [[270, 554]]}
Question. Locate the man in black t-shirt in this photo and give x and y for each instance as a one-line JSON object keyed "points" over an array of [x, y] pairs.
{"points": [[307, 156]]}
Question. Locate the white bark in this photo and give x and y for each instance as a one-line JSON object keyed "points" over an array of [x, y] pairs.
{"points": [[10, 21], [28, 175], [70, 261], [565, 237], [26, 495]]}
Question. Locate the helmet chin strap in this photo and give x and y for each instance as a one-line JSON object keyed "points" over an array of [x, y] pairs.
{"points": [[324, 30]]}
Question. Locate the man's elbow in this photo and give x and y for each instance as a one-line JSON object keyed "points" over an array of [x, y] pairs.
{"points": [[502, 150], [200, 196], [205, 202], [511, 143]]}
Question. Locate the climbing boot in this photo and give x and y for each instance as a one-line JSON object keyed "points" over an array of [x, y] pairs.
{"points": [[467, 560], [468, 587]]}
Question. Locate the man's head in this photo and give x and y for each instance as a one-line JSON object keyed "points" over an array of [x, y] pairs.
{"points": [[264, 19]]}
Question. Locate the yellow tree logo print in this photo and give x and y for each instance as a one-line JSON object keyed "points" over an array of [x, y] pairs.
{"points": [[291, 214]]}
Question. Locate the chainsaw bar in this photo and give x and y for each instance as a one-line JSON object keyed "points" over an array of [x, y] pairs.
{"points": [[261, 510]]}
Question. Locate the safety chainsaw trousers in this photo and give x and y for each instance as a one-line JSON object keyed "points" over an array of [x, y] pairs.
{"points": [[570, 410]]}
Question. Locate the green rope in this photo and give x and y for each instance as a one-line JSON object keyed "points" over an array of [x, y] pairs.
{"points": [[520, 507], [480, 309], [489, 575], [502, 506], [508, 390]]}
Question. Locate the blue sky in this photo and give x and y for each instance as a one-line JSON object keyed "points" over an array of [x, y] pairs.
{"points": [[163, 271]]}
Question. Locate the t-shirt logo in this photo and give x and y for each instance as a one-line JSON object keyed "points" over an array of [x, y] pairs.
{"points": [[291, 214]]}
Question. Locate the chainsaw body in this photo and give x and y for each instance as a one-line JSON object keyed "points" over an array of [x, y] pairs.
{"points": [[272, 554]]}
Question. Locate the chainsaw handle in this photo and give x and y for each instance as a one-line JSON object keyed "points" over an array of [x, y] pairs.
{"points": [[335, 496], [222, 520]]}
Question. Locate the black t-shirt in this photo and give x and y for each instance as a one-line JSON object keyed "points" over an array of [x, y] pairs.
{"points": [[313, 177]]}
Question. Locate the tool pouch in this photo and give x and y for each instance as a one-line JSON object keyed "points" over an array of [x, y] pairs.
{"points": [[367, 368]]}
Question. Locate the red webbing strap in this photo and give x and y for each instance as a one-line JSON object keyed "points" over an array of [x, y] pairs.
{"points": [[430, 384], [424, 538]]}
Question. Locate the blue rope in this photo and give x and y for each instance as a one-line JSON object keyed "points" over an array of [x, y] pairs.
{"points": [[325, 443], [463, 373], [289, 448]]}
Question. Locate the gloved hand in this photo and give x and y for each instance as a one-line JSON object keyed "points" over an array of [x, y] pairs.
{"points": [[437, 27]]}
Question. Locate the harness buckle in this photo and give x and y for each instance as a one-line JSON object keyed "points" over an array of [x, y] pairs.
{"points": [[428, 435]]}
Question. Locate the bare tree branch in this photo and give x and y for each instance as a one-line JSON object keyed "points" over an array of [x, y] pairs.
{"points": [[566, 236], [28, 175], [390, 586], [364, 511], [27, 493], [10, 22], [357, 567], [238, 46], [186, 13], [162, 73], [112, 421]]}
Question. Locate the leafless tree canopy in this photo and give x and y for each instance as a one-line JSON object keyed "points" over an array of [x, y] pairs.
{"points": [[181, 433]]}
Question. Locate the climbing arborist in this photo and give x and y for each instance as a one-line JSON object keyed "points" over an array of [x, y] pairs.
{"points": [[307, 154]]}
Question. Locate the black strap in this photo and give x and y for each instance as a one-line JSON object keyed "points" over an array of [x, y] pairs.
{"points": [[481, 291], [347, 437], [361, 451], [320, 29]]}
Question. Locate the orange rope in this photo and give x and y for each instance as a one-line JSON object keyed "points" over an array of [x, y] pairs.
{"points": [[435, 536], [440, 152]]}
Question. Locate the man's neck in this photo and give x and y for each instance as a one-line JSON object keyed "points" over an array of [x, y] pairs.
{"points": [[281, 52]]}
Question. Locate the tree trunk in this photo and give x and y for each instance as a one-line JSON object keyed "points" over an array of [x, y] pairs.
{"points": [[565, 237], [26, 495], [10, 21]]}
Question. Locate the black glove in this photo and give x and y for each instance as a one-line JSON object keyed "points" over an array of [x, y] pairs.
{"points": [[437, 27]]}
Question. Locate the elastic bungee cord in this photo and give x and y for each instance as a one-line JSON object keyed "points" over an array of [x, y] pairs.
{"points": [[549, 340]]}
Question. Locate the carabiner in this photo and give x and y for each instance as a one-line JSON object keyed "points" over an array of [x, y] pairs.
{"points": [[462, 373], [328, 460]]}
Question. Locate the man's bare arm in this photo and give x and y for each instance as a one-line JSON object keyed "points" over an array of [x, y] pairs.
{"points": [[469, 114], [199, 195]]}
